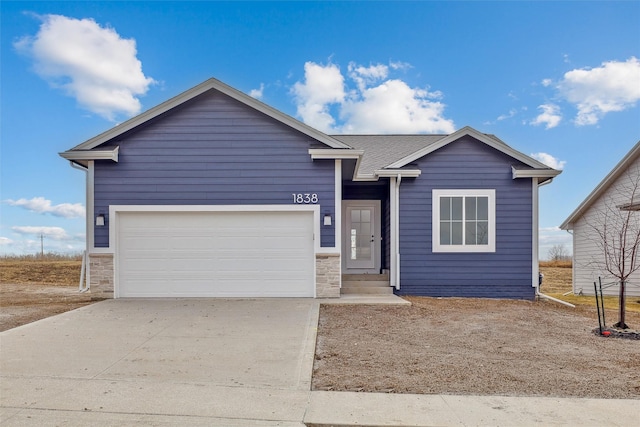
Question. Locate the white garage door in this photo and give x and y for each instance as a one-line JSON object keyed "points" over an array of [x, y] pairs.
{"points": [[215, 254]]}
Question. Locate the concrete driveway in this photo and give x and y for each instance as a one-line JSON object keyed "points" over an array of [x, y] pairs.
{"points": [[162, 362]]}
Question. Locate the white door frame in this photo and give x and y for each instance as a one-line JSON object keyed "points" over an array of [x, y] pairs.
{"points": [[377, 235]]}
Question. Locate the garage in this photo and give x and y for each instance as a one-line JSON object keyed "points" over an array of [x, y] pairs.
{"points": [[215, 254]]}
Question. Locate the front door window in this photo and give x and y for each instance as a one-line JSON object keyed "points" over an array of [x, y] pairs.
{"points": [[361, 232]]}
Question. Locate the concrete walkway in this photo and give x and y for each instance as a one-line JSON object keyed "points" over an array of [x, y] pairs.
{"points": [[212, 362]]}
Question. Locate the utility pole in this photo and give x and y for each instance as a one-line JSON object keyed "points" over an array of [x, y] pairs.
{"points": [[41, 245]]}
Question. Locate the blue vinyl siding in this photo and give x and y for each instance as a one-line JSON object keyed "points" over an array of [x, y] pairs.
{"points": [[467, 164], [213, 150]]}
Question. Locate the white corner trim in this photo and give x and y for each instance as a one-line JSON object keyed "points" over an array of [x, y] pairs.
{"points": [[338, 209], [535, 232], [90, 208]]}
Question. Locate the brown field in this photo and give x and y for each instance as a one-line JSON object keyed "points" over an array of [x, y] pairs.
{"points": [[33, 288]]}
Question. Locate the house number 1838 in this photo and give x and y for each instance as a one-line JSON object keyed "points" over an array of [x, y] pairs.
{"points": [[305, 198]]}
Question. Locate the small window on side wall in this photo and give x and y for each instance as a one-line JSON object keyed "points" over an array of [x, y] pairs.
{"points": [[464, 221]]}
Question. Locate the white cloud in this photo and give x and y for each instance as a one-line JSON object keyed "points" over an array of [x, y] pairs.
{"points": [[55, 233], [257, 93], [550, 116], [549, 160], [614, 86], [44, 206], [374, 103], [5, 241], [511, 113], [324, 85], [92, 64], [547, 82]]}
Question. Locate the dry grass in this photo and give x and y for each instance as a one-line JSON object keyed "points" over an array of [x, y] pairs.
{"points": [[52, 269], [558, 281]]}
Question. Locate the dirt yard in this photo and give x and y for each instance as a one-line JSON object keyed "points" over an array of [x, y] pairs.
{"points": [[32, 289], [449, 346], [474, 346]]}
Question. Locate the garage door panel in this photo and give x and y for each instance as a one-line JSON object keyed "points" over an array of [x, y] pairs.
{"points": [[225, 254]]}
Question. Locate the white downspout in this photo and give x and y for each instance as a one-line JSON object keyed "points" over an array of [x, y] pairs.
{"points": [[397, 231], [85, 271], [536, 261]]}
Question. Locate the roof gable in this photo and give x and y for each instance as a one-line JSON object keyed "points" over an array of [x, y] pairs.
{"points": [[211, 84], [489, 140], [604, 185]]}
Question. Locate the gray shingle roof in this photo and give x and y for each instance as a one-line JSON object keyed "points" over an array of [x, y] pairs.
{"points": [[383, 150]]}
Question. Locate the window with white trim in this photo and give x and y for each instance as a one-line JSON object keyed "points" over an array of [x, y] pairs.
{"points": [[464, 221]]}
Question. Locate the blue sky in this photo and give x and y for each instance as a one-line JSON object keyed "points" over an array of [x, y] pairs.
{"points": [[558, 80]]}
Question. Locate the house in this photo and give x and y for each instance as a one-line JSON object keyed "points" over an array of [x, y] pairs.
{"points": [[215, 194], [614, 200]]}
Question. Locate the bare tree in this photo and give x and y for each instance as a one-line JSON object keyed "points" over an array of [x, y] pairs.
{"points": [[558, 253], [617, 231]]}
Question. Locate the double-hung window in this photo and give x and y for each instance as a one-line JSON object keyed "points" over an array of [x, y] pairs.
{"points": [[464, 221]]}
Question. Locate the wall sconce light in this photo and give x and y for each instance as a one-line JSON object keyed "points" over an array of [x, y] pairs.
{"points": [[327, 219], [100, 220]]}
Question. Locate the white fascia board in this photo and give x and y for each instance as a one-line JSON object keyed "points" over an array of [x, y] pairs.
{"points": [[602, 187], [328, 153], [199, 90], [405, 173], [534, 173], [87, 155], [467, 130]]}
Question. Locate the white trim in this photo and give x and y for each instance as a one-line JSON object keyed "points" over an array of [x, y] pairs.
{"points": [[331, 153], [394, 276], [92, 155], [435, 220], [535, 224], [406, 173], [534, 173], [90, 206], [338, 213]]}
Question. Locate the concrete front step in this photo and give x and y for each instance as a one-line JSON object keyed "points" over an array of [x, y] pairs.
{"points": [[365, 283], [367, 290], [365, 277]]}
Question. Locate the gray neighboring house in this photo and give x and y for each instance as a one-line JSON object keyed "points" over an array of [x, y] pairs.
{"points": [[216, 194], [615, 190]]}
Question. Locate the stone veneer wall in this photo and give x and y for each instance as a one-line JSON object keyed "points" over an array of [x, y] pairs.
{"points": [[328, 275], [101, 275]]}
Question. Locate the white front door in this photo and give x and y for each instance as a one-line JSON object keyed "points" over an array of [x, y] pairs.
{"points": [[361, 236]]}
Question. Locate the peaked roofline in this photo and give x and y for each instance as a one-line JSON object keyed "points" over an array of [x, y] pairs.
{"points": [[484, 138], [618, 170], [199, 90]]}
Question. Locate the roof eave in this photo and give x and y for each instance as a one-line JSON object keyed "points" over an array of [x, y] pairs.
{"points": [[602, 186], [83, 156], [405, 173], [534, 173]]}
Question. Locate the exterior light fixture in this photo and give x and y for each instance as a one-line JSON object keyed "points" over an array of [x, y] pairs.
{"points": [[327, 219], [100, 220]]}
